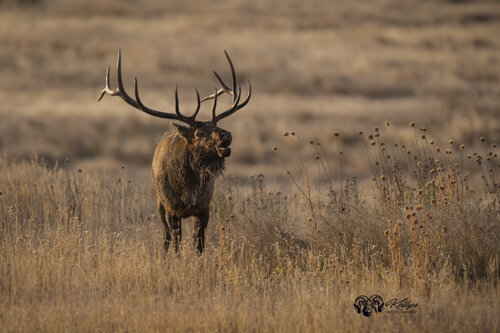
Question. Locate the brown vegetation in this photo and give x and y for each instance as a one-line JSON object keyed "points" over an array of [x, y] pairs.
{"points": [[81, 251], [332, 214]]}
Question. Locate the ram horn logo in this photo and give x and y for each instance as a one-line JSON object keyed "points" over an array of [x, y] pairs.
{"points": [[367, 305]]}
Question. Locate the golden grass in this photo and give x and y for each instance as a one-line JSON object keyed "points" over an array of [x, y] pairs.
{"points": [[83, 251]]}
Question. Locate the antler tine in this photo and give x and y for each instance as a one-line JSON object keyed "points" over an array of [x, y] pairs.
{"points": [[225, 88], [214, 107], [218, 93], [107, 89], [231, 110], [198, 106], [120, 91], [234, 91], [235, 107], [233, 76]]}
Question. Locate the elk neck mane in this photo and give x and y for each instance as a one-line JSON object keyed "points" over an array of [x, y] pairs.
{"points": [[195, 164]]}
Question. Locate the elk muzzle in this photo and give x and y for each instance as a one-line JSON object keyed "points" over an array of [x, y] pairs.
{"points": [[223, 149]]}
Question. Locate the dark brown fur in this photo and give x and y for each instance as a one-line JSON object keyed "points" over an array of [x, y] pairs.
{"points": [[185, 165]]}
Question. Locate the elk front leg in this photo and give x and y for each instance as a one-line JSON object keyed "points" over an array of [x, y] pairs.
{"points": [[175, 222], [200, 224], [166, 224]]}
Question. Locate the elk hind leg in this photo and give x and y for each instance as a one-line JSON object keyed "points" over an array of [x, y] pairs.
{"points": [[167, 225]]}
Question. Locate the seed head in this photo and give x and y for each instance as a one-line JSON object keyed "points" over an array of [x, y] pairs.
{"points": [[423, 129], [311, 142], [229, 197], [317, 157], [79, 170], [275, 148], [310, 219], [493, 145], [375, 129], [382, 178], [387, 124], [412, 124], [285, 134], [386, 232], [450, 142], [482, 139], [360, 133], [431, 142], [336, 133], [462, 146], [438, 150], [292, 133], [444, 230]]}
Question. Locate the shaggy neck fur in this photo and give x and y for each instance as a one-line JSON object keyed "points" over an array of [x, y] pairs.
{"points": [[192, 170]]}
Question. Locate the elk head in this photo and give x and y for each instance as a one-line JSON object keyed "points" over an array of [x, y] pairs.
{"points": [[202, 136]]}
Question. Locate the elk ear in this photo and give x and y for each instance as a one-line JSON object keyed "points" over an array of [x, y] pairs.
{"points": [[185, 132]]}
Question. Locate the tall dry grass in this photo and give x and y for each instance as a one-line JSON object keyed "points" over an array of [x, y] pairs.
{"points": [[82, 250]]}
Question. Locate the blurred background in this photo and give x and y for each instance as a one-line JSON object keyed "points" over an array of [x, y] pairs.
{"points": [[316, 67]]}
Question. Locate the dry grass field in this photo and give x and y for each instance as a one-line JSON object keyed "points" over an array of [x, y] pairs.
{"points": [[302, 223]]}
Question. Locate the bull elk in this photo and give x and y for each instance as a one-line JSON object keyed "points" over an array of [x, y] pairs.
{"points": [[187, 160]]}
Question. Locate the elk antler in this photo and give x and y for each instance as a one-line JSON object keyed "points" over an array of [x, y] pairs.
{"points": [[137, 103], [234, 91]]}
